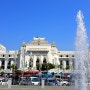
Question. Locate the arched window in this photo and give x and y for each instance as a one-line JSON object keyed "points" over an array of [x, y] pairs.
{"points": [[31, 62], [37, 61], [9, 64], [38, 64], [3, 63], [44, 60]]}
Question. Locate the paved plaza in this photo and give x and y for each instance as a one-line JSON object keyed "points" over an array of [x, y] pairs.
{"points": [[16, 87]]}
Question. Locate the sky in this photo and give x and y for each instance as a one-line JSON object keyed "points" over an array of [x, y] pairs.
{"points": [[55, 20]]}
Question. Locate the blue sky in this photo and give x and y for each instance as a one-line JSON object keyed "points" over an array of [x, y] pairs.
{"points": [[21, 20]]}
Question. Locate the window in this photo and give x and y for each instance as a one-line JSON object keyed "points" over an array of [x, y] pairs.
{"points": [[44, 60], [67, 62], [72, 55], [61, 56], [66, 55], [3, 55]]}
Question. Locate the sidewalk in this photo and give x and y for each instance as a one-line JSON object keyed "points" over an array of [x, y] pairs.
{"points": [[16, 87]]}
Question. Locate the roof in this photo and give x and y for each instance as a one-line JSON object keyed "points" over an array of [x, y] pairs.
{"points": [[2, 48], [39, 41]]}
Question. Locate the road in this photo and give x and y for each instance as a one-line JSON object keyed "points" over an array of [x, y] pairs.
{"points": [[16, 87]]}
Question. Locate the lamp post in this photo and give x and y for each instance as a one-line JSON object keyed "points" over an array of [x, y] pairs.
{"points": [[15, 56], [47, 64], [60, 64], [39, 66], [60, 68], [30, 62], [23, 56], [88, 62], [6, 61], [70, 63]]}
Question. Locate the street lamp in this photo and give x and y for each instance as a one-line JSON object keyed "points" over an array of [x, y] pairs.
{"points": [[6, 61], [30, 61], [47, 64], [60, 64], [23, 56], [39, 66], [15, 56], [70, 63]]}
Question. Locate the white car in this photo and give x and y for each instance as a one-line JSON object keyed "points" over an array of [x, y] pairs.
{"points": [[35, 81], [62, 82], [3, 81]]}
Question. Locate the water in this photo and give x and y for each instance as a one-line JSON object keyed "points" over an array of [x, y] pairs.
{"points": [[81, 54]]}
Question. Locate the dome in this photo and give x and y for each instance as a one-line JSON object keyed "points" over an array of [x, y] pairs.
{"points": [[53, 44], [23, 44]]}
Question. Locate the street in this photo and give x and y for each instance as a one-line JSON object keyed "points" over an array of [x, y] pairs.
{"points": [[17, 87]]}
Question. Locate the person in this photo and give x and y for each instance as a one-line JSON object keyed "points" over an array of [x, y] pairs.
{"points": [[57, 82]]}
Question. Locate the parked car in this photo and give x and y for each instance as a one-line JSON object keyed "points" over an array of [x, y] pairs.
{"points": [[35, 81], [51, 82], [3, 81], [63, 82], [23, 81]]}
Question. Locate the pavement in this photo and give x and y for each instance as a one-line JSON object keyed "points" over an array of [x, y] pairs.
{"points": [[17, 87]]}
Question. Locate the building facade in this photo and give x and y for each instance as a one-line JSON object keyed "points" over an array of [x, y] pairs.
{"points": [[36, 52]]}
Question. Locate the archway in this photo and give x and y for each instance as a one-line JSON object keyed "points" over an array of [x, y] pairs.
{"points": [[44, 60], [31, 62], [38, 66]]}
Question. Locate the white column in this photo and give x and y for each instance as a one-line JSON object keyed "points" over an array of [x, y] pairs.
{"points": [[64, 64], [34, 62], [70, 64], [0, 63], [41, 59], [21, 61], [59, 62], [52, 61], [28, 62], [5, 66], [12, 62], [55, 61], [22, 64]]}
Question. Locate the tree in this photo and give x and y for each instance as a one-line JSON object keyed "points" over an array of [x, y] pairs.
{"points": [[2, 73], [47, 66], [51, 66], [67, 67], [13, 67]]}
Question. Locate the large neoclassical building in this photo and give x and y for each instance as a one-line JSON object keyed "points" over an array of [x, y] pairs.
{"points": [[36, 51]]}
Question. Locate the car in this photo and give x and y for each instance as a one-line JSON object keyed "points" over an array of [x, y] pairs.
{"points": [[1, 80], [4, 82], [23, 81], [15, 82], [35, 81], [51, 82], [61, 82], [29, 81]]}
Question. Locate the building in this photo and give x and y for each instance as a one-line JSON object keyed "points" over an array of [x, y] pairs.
{"points": [[7, 58], [36, 52]]}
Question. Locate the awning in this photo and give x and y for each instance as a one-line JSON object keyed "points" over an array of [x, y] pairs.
{"points": [[31, 72]]}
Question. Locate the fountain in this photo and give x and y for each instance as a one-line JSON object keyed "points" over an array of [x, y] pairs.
{"points": [[81, 54]]}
